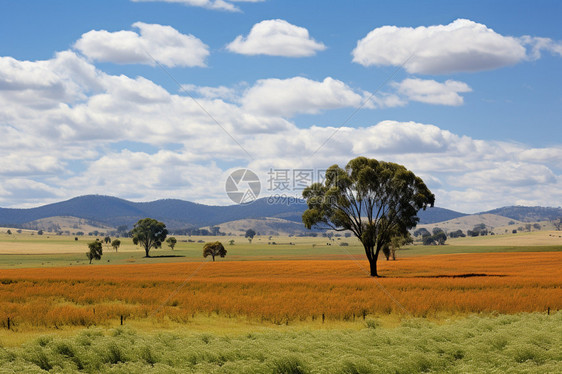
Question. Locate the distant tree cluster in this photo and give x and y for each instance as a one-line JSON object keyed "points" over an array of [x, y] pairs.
{"points": [[478, 230], [214, 231], [437, 238], [457, 234], [421, 232]]}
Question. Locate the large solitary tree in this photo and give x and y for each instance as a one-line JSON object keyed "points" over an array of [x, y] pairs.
{"points": [[149, 233], [373, 199]]}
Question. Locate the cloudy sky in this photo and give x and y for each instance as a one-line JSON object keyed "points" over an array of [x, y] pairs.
{"points": [[152, 99]]}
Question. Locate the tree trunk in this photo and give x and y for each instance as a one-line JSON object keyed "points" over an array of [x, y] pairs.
{"points": [[373, 261], [147, 250], [213, 258], [372, 257], [373, 266]]}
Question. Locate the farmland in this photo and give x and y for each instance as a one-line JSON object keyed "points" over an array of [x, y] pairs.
{"points": [[282, 291], [309, 290]]}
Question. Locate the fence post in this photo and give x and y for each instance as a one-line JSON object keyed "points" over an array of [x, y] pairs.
{"points": [[121, 320], [8, 323]]}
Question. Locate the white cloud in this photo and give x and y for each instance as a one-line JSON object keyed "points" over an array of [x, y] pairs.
{"points": [[461, 46], [286, 97], [538, 45], [69, 126], [221, 92], [432, 92], [225, 5], [164, 44], [507, 173], [276, 37]]}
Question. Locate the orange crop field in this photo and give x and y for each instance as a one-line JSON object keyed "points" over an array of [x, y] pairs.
{"points": [[282, 291]]}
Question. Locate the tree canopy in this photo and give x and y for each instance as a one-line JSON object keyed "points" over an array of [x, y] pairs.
{"points": [[214, 249], [115, 244], [373, 199], [171, 241], [250, 233], [149, 233], [95, 251]]}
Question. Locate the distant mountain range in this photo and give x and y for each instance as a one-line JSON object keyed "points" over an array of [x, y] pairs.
{"points": [[180, 214], [175, 213], [528, 213]]}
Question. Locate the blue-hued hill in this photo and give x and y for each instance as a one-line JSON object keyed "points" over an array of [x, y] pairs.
{"points": [[175, 213]]}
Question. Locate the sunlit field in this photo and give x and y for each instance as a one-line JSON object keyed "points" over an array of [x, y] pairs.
{"points": [[284, 307], [282, 291]]}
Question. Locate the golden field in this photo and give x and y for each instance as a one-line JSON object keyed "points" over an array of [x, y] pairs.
{"points": [[282, 291]]}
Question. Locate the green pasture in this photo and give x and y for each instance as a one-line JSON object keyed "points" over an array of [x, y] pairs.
{"points": [[24, 250], [524, 343]]}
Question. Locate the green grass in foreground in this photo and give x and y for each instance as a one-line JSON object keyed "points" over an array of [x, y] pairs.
{"points": [[524, 343]]}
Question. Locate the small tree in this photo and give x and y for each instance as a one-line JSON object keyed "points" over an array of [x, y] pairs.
{"points": [[437, 239], [107, 240], [395, 243], [9, 232], [250, 235], [149, 233], [115, 244], [40, 232], [436, 230], [171, 242], [214, 249], [422, 231], [231, 242], [95, 251], [457, 234]]}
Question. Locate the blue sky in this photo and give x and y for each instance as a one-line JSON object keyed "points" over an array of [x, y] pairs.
{"points": [[98, 97]]}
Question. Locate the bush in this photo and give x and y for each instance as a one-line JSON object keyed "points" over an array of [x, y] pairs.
{"points": [[289, 365]]}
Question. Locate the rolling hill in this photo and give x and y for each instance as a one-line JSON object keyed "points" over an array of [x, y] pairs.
{"points": [[468, 222], [113, 211], [180, 214], [528, 213]]}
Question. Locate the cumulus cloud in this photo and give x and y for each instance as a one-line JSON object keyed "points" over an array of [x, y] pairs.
{"points": [[461, 46], [286, 97], [433, 92], [276, 37], [225, 5], [159, 43], [74, 114]]}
